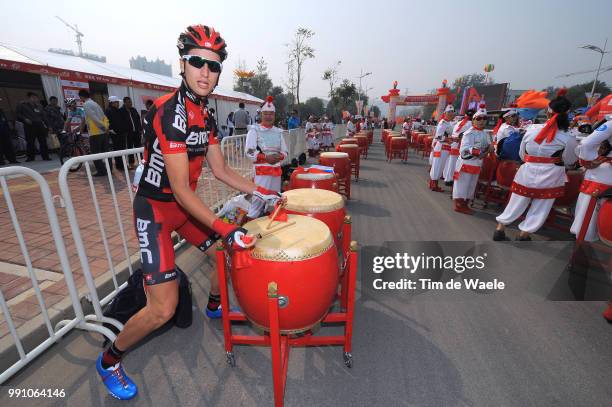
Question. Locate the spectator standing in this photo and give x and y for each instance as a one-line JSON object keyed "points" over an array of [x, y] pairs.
{"points": [[98, 125], [294, 120], [6, 145], [31, 114], [133, 126], [230, 123], [118, 128], [241, 120], [54, 118]]}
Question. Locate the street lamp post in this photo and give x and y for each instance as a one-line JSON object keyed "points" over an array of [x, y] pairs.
{"points": [[602, 52], [363, 75]]}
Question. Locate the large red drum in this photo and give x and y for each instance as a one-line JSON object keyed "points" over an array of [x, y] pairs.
{"points": [[302, 259], [305, 178], [327, 206], [604, 221], [353, 152], [339, 160], [350, 140], [362, 142]]}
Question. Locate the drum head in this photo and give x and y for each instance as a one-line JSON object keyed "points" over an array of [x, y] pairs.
{"points": [[334, 154], [349, 146], [308, 238], [312, 176], [310, 200]]}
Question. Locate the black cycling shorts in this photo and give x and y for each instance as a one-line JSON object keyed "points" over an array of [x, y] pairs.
{"points": [[154, 222]]}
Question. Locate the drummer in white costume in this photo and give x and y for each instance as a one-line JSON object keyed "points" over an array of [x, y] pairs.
{"points": [[545, 149], [475, 145], [442, 147], [459, 128], [266, 147], [312, 142], [350, 127], [327, 133], [595, 155], [509, 126], [406, 127]]}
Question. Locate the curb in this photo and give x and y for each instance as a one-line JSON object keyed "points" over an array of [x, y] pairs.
{"points": [[35, 331]]}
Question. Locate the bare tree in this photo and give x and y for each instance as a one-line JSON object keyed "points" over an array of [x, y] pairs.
{"points": [[299, 52], [290, 84], [331, 75]]}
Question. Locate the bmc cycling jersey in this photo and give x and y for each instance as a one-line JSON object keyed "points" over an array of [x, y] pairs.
{"points": [[176, 123]]}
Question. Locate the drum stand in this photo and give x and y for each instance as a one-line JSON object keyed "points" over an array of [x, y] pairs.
{"points": [[280, 344]]}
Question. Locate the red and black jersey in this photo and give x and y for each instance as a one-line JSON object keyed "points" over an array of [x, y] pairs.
{"points": [[176, 123]]}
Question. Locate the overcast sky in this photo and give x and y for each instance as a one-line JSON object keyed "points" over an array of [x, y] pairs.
{"points": [[417, 43]]}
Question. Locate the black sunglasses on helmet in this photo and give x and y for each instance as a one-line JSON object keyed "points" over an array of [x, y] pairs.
{"points": [[198, 62]]}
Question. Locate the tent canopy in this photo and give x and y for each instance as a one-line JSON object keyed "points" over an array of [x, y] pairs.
{"points": [[74, 67]]}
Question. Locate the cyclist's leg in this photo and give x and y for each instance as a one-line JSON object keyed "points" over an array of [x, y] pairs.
{"points": [[203, 238], [154, 222]]}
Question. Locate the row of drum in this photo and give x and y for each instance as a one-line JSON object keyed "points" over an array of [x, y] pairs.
{"points": [[345, 162]]}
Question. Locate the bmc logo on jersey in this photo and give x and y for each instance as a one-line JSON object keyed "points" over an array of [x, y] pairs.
{"points": [[176, 145], [197, 138]]}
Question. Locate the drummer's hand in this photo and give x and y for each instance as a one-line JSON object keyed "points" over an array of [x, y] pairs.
{"points": [[249, 241], [272, 158], [283, 200], [239, 239]]}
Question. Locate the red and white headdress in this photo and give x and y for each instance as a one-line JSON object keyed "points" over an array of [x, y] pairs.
{"points": [[268, 106]]}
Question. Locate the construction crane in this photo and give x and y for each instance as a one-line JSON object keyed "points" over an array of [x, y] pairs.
{"points": [[79, 34]]}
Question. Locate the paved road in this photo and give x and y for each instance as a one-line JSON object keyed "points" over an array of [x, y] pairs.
{"points": [[513, 348]]}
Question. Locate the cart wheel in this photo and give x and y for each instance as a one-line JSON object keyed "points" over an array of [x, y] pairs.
{"points": [[231, 359], [348, 360]]}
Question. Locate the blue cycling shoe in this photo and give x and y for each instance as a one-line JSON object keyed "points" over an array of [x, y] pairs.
{"points": [[118, 384], [216, 314]]}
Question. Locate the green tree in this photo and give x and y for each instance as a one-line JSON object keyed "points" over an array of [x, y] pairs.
{"points": [[315, 106], [331, 75], [375, 111], [577, 93], [261, 84], [299, 52], [281, 105]]}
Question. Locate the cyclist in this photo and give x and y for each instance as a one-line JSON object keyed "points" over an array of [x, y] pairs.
{"points": [[179, 134], [75, 117]]}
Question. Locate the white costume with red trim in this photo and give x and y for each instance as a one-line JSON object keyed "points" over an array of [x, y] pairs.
{"points": [[350, 129], [441, 149], [539, 180], [406, 128], [596, 180], [312, 142], [327, 134], [260, 142], [473, 144], [451, 162], [503, 132]]}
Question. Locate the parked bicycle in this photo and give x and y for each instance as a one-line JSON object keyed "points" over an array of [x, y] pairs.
{"points": [[72, 144]]}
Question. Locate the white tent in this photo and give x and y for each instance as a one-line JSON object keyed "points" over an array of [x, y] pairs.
{"points": [[59, 71]]}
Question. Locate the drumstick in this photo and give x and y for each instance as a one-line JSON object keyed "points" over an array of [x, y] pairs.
{"points": [[274, 215], [269, 232]]}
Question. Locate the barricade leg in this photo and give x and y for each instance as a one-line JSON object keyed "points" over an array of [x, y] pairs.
{"points": [[227, 325], [278, 347], [350, 310]]}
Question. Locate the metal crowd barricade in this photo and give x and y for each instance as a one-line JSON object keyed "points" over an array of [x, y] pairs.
{"points": [[66, 325], [213, 193], [66, 194]]}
